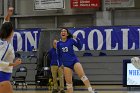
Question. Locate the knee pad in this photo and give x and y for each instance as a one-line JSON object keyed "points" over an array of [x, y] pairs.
{"points": [[69, 86], [84, 78]]}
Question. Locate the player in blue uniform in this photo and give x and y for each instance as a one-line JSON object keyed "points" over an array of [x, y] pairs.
{"points": [[56, 68], [70, 61], [7, 54]]}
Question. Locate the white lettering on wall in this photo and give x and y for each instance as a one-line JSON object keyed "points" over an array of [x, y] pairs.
{"points": [[91, 39], [19, 40], [108, 40], [25, 40], [125, 39], [29, 37]]}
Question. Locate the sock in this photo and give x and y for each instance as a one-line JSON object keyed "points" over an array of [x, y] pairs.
{"points": [[90, 89]]}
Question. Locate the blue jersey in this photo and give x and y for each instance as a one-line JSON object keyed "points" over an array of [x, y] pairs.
{"points": [[66, 52], [54, 57]]}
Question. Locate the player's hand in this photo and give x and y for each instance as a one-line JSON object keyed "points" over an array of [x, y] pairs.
{"points": [[17, 62], [10, 11], [55, 41]]}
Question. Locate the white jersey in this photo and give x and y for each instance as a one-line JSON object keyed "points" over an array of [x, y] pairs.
{"points": [[6, 56]]}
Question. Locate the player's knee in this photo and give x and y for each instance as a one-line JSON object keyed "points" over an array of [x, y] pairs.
{"points": [[69, 86], [6, 87], [5, 83], [84, 78]]}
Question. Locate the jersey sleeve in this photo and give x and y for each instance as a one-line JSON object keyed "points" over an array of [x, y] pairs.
{"points": [[3, 63], [77, 43]]}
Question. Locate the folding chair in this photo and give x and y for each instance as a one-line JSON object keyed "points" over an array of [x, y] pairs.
{"points": [[43, 76], [20, 77]]}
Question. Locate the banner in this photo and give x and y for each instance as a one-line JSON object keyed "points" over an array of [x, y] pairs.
{"points": [[108, 37], [119, 3], [48, 4], [85, 3], [26, 40]]}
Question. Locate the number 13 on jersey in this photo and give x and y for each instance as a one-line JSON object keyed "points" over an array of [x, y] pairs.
{"points": [[65, 49]]}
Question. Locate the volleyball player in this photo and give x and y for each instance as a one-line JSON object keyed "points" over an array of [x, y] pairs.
{"points": [[70, 61], [7, 54]]}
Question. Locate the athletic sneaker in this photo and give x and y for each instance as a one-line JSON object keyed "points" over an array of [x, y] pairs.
{"points": [[55, 91], [93, 92]]}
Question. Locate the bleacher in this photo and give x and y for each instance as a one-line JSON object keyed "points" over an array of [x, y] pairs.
{"points": [[105, 67]]}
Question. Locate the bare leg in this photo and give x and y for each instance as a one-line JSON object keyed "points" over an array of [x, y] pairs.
{"points": [[68, 78], [79, 70], [6, 87]]}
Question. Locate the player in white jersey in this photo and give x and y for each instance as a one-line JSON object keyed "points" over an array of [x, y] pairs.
{"points": [[7, 55]]}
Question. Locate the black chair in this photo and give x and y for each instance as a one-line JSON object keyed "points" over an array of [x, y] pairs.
{"points": [[43, 76], [20, 77]]}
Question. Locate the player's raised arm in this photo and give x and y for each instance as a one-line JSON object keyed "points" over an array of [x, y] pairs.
{"points": [[9, 14]]}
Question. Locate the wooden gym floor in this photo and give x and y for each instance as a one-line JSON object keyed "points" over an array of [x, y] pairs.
{"points": [[99, 89]]}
